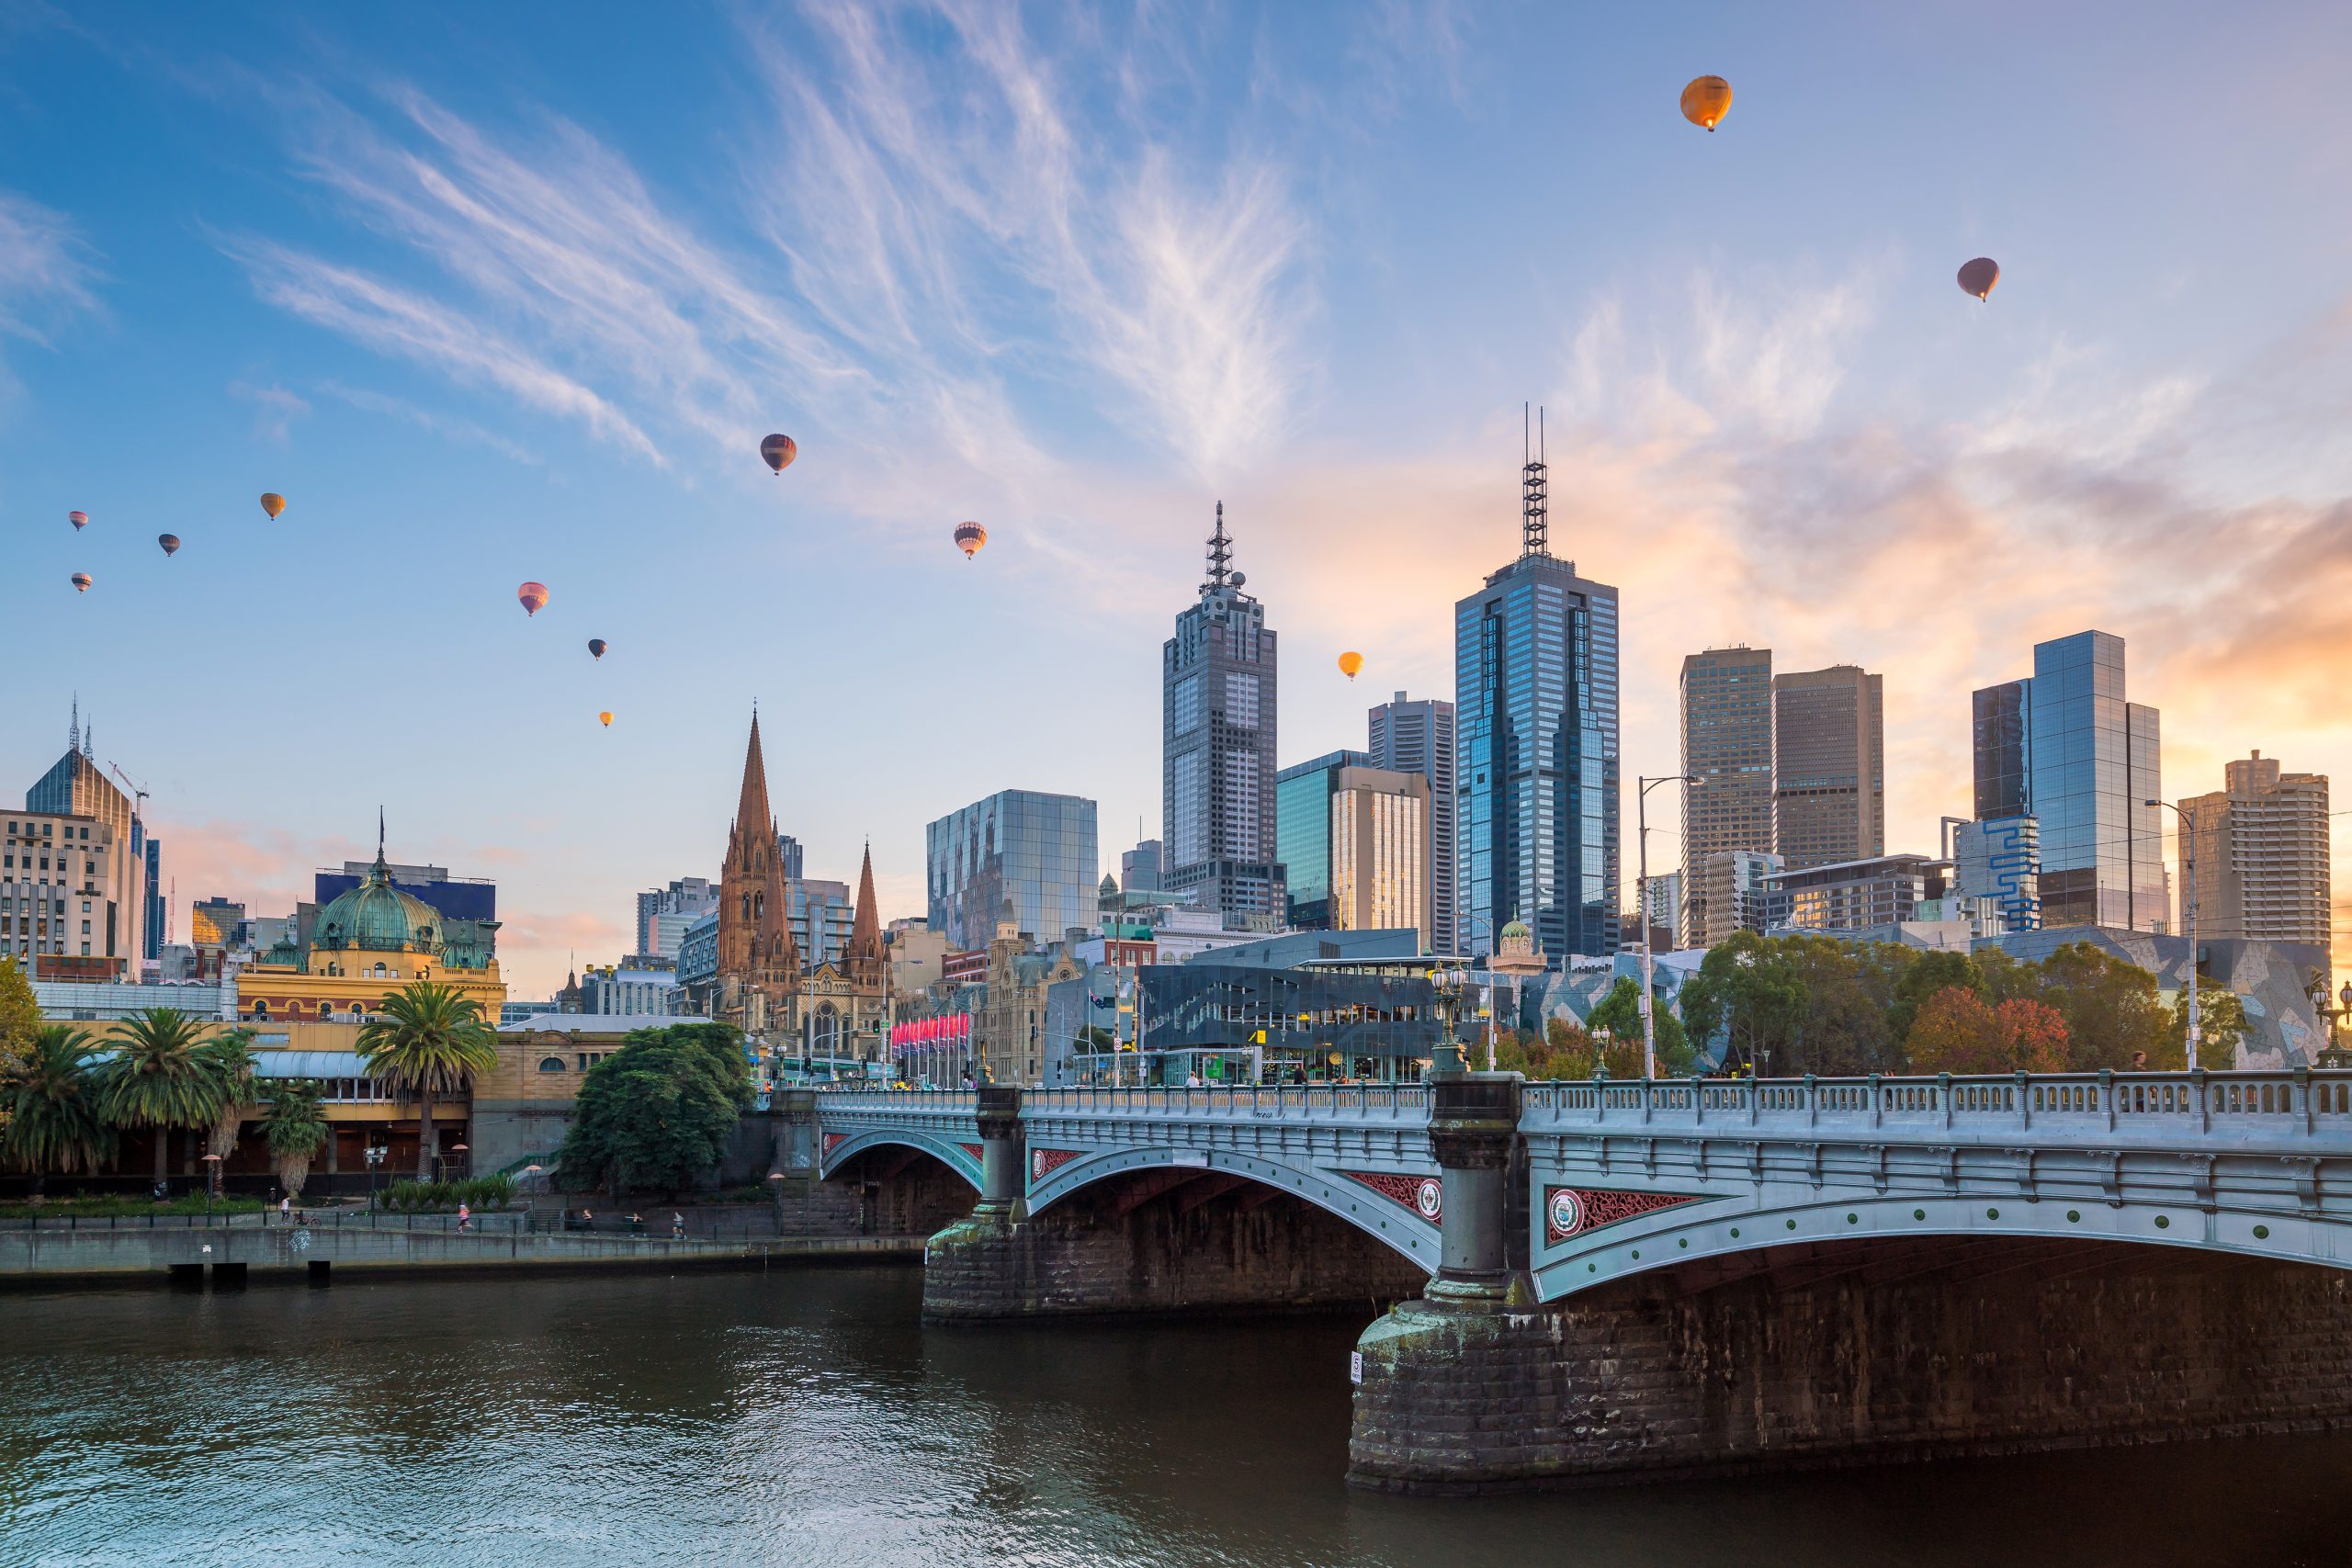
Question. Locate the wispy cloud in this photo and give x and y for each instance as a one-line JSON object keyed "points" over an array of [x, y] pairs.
{"points": [[275, 409], [458, 430], [46, 272]]}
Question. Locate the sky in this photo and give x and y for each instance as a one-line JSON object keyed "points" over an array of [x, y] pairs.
{"points": [[502, 293]]}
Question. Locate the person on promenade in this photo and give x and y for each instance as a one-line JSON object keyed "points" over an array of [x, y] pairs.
{"points": [[465, 1217], [285, 1210], [677, 1225]]}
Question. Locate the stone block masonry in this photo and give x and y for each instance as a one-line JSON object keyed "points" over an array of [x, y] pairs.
{"points": [[1851, 1354], [1129, 1248]]}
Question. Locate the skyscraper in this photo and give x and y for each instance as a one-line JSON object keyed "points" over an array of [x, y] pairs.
{"points": [[1535, 781], [76, 787], [1355, 846], [1034, 850], [1217, 691], [1417, 737], [1828, 766], [2260, 845], [1140, 868], [2067, 749], [1727, 749]]}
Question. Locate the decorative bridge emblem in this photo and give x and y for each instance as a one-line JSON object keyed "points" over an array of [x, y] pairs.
{"points": [[1043, 1163], [1420, 1193], [834, 1141], [1573, 1211]]}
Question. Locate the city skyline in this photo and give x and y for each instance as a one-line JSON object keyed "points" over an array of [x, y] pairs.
{"points": [[260, 287]]}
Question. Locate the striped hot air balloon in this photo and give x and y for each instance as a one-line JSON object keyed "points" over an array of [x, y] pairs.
{"points": [[171, 543], [969, 538], [533, 597], [779, 451], [82, 581], [80, 520]]}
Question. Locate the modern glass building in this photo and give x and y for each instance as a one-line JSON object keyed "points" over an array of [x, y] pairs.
{"points": [[1727, 695], [1036, 849], [2000, 858], [1355, 846], [1409, 737], [1217, 704], [1536, 770], [1303, 834], [2068, 748], [1377, 1020], [1828, 766]]}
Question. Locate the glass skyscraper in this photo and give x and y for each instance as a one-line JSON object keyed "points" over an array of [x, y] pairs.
{"points": [[1409, 737], [1536, 770], [1303, 794], [1033, 849]]}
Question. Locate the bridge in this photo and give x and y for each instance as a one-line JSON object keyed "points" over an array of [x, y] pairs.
{"points": [[2204, 1220]]}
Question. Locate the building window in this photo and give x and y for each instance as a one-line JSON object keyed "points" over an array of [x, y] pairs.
{"points": [[551, 1063]]}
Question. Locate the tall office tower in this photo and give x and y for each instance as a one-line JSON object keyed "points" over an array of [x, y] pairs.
{"points": [[76, 787], [1828, 766], [1021, 847], [1535, 767], [2067, 749], [1665, 910], [1727, 748], [1140, 868], [1355, 846], [151, 856], [2263, 865], [1417, 737], [1217, 697]]}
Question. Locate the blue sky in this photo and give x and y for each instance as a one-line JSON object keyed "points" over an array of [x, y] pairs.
{"points": [[497, 293]]}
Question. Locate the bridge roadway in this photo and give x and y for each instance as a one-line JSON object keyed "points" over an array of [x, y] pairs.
{"points": [[1615, 1179]]}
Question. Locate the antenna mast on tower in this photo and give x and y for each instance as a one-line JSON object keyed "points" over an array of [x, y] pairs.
{"points": [[1534, 522], [1220, 555]]}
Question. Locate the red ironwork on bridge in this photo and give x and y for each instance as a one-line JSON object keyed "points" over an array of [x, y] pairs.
{"points": [[1572, 1211], [1420, 1193]]}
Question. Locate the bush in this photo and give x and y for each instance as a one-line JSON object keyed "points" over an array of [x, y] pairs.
{"points": [[434, 1197]]}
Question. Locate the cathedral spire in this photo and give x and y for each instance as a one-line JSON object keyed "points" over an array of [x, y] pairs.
{"points": [[753, 816], [865, 952]]}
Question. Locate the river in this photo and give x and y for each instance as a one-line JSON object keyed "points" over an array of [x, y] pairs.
{"points": [[810, 1418]]}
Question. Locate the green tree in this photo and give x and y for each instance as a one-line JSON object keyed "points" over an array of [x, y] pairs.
{"points": [[229, 1057], [1843, 1030], [2221, 1029], [431, 1038], [1619, 1013], [20, 1021], [1926, 976], [49, 1119], [294, 1128], [160, 1077], [1747, 990], [2110, 1006], [657, 1114]]}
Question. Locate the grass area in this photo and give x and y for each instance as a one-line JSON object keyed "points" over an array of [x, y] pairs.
{"points": [[108, 1204], [433, 1197]]}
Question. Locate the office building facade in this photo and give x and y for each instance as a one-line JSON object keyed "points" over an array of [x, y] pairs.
{"points": [[1409, 737], [2263, 867], [1141, 868], [1036, 849], [1218, 694], [1828, 766], [1355, 845], [664, 913], [1536, 760], [1727, 704], [76, 787], [1736, 887], [1853, 895]]}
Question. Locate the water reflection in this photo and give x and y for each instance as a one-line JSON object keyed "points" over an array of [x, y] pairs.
{"points": [[809, 1417]]}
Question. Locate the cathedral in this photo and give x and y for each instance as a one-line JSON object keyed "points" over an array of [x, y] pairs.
{"points": [[832, 1009]]}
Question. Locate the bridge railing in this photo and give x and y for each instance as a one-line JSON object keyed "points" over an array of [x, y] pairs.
{"points": [[1399, 1102], [2301, 1102], [909, 1100]]}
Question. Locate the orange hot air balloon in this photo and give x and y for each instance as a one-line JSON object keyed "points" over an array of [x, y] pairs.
{"points": [[596, 648], [171, 543], [779, 451], [80, 520], [1979, 276], [534, 596], [1350, 663], [273, 503], [605, 719], [82, 581], [1705, 101], [969, 538]]}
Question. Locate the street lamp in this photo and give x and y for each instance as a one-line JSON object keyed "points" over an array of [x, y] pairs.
{"points": [[1642, 907], [212, 1182], [2189, 875]]}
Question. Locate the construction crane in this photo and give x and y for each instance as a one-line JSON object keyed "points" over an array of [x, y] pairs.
{"points": [[138, 795]]}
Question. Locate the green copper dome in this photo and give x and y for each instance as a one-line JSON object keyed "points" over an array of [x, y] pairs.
{"points": [[1517, 930], [376, 916]]}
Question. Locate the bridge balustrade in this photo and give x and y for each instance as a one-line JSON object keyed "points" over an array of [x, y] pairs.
{"points": [[1402, 1102]]}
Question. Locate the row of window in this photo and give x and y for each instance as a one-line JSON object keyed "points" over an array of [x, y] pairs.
{"points": [[48, 830]]}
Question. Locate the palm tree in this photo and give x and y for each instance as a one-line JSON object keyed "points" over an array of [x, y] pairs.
{"points": [[160, 1077], [51, 1102], [229, 1058], [294, 1128], [430, 1038]]}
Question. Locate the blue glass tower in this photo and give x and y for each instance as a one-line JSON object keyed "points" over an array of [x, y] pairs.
{"points": [[1536, 770]]}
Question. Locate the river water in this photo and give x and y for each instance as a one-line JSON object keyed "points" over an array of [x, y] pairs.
{"points": [[808, 1416]]}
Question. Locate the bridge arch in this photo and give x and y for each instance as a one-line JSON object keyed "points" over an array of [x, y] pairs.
{"points": [[840, 1148], [1388, 1220]]}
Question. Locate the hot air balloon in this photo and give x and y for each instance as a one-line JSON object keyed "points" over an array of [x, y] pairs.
{"points": [[596, 648], [171, 543], [969, 538], [1705, 101], [1350, 663], [1979, 276], [779, 451], [273, 503], [605, 719], [82, 581], [534, 596], [80, 520]]}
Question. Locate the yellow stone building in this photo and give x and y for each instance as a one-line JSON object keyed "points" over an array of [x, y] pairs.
{"points": [[367, 945]]}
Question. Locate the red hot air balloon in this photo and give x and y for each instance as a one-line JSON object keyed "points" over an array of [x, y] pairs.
{"points": [[171, 543], [595, 648], [779, 451], [82, 581], [80, 520], [533, 597], [1979, 276], [969, 538]]}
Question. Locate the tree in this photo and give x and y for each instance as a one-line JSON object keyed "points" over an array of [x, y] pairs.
{"points": [[229, 1058], [1748, 991], [1843, 1030], [2220, 1027], [294, 1128], [431, 1038], [49, 1119], [20, 1021], [1620, 1014], [657, 1114], [1956, 1031], [2111, 1005], [160, 1079], [1927, 975]]}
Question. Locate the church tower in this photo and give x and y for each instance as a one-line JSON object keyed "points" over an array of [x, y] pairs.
{"points": [[866, 957], [756, 953]]}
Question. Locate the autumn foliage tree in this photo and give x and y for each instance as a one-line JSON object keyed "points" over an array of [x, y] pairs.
{"points": [[1956, 1031]]}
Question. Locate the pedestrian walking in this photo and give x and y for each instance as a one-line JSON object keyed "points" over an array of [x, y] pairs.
{"points": [[677, 1225], [284, 1209], [465, 1217]]}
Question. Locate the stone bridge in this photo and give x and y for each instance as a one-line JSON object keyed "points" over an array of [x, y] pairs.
{"points": [[1805, 1271]]}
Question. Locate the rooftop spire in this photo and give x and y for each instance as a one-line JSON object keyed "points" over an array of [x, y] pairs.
{"points": [[1534, 522], [752, 814], [74, 732], [1220, 554], [866, 927]]}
